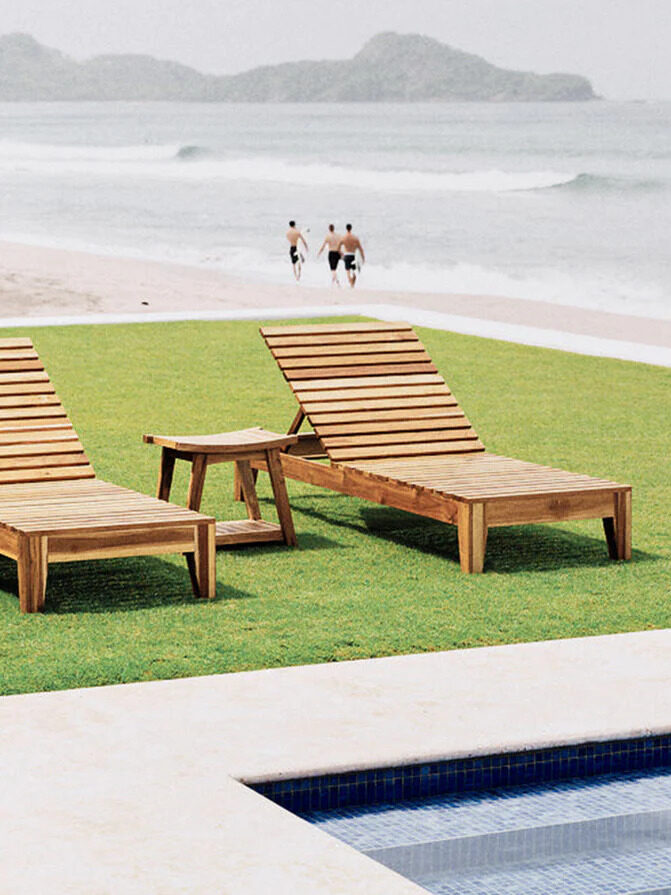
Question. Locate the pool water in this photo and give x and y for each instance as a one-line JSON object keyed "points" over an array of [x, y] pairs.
{"points": [[599, 836]]}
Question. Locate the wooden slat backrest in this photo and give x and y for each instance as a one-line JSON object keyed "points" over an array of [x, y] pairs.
{"points": [[37, 440], [370, 391]]}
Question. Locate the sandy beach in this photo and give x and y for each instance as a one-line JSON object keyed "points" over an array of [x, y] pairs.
{"points": [[38, 283]]}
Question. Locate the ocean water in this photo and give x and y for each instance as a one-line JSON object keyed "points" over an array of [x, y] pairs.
{"points": [[567, 203]]}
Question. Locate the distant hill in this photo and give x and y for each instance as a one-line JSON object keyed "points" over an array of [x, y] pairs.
{"points": [[389, 68]]}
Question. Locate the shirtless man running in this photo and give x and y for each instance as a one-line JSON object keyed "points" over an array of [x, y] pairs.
{"points": [[350, 243], [295, 236], [332, 240]]}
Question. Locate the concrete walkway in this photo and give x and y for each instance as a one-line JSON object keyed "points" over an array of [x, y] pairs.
{"points": [[136, 788], [586, 332]]}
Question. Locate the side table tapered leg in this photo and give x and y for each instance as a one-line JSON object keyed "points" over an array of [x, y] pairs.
{"points": [[196, 481], [281, 497], [165, 471], [248, 488]]}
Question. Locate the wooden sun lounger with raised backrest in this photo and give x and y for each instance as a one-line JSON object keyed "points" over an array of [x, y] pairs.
{"points": [[395, 434], [52, 506]]}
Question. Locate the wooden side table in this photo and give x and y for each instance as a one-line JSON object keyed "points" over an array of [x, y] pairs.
{"points": [[240, 448]]}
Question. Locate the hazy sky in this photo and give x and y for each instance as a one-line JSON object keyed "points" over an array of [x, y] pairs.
{"points": [[623, 46]]}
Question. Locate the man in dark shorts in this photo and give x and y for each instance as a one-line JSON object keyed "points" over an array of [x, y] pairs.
{"points": [[350, 245], [295, 236], [332, 240]]}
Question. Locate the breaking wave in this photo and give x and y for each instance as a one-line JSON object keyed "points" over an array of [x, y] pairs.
{"points": [[163, 161], [600, 184], [191, 153], [261, 169], [199, 163]]}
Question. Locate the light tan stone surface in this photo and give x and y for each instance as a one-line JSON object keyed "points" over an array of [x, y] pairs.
{"points": [[134, 789]]}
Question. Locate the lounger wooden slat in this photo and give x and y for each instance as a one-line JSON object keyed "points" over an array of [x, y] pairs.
{"points": [[13, 427], [402, 381], [20, 342], [13, 366], [338, 329], [371, 338], [46, 474], [449, 446], [27, 388], [27, 413], [382, 370], [353, 360], [28, 400], [436, 402], [347, 350], [32, 438], [412, 426], [394, 437], [392, 394], [17, 354], [378, 417], [401, 439], [52, 506], [37, 460], [25, 377]]}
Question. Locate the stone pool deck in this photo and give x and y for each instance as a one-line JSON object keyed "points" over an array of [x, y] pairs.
{"points": [[139, 788]]}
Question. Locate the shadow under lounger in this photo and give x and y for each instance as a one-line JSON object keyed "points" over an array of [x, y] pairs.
{"points": [[395, 434], [52, 506]]}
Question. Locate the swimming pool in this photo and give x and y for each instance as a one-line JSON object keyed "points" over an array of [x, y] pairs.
{"points": [[604, 835], [590, 818]]}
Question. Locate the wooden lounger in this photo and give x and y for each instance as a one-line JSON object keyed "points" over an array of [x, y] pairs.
{"points": [[52, 506], [395, 434]]}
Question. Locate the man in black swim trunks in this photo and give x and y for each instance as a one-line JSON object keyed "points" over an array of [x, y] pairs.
{"points": [[332, 240], [351, 245], [295, 236]]}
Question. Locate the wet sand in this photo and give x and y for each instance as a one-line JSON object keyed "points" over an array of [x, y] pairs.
{"points": [[37, 282]]}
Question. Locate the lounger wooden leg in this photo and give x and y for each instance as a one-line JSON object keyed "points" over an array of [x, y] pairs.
{"points": [[32, 572], [281, 497], [246, 479], [623, 524], [611, 540], [165, 471], [202, 562], [472, 536], [617, 528], [196, 482]]}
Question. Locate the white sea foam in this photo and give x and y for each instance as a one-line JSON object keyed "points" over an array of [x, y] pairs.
{"points": [[194, 163], [272, 170], [579, 289], [19, 152]]}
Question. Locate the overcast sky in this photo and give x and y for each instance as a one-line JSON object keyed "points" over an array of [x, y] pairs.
{"points": [[623, 46]]}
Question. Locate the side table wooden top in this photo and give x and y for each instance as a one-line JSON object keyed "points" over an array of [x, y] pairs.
{"points": [[234, 443]]}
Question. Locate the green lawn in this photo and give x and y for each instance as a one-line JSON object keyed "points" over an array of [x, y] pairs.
{"points": [[366, 581]]}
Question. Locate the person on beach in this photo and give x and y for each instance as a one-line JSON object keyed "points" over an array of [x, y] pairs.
{"points": [[351, 243], [295, 236], [332, 240]]}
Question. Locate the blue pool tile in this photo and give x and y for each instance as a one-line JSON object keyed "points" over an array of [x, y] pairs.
{"points": [[471, 774]]}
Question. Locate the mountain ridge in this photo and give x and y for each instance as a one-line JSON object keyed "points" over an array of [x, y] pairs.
{"points": [[389, 67]]}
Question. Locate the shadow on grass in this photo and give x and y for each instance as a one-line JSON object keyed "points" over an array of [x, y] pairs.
{"points": [[524, 548], [117, 585]]}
